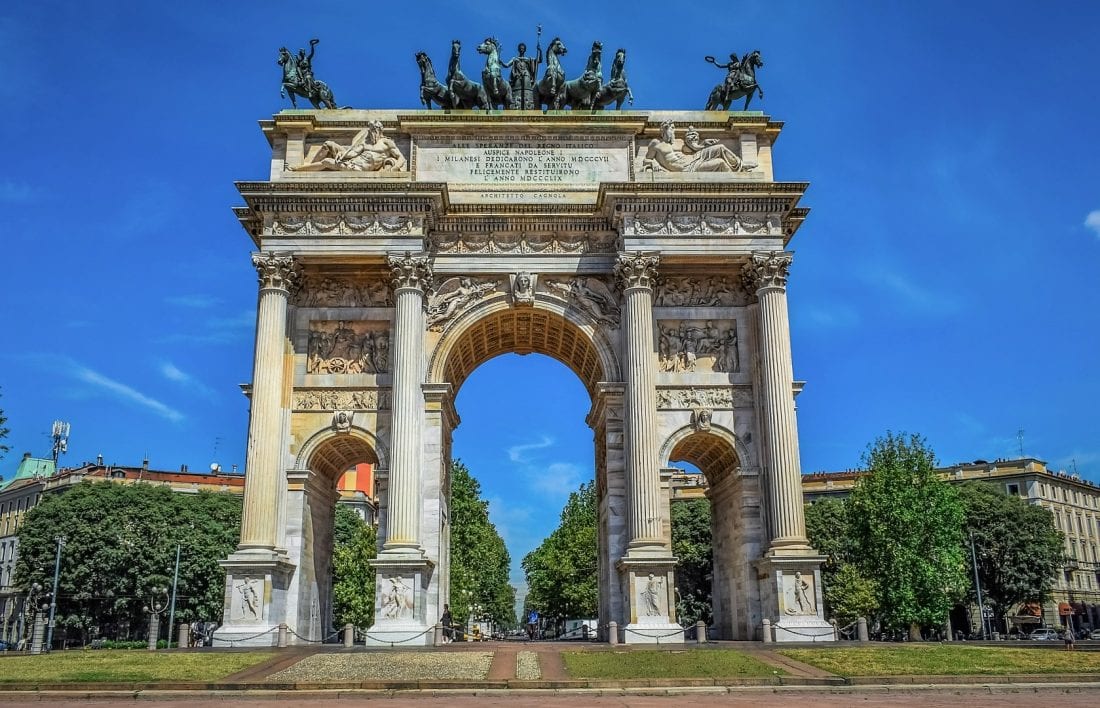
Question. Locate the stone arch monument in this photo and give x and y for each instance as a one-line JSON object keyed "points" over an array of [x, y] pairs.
{"points": [[397, 251]]}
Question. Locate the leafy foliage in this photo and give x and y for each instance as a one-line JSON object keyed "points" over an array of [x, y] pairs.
{"points": [[562, 572], [355, 543], [906, 525], [479, 558], [1018, 548], [120, 541], [691, 544], [848, 593]]}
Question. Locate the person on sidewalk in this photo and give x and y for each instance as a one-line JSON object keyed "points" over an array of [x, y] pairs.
{"points": [[1068, 636], [448, 624]]}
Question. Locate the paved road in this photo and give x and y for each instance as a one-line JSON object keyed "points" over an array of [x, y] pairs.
{"points": [[1004, 697]]}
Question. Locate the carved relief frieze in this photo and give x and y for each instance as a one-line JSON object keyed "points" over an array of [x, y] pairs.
{"points": [[342, 347], [698, 345], [672, 224], [331, 291], [341, 400], [297, 224], [589, 294], [700, 291], [454, 296], [523, 243], [698, 397], [368, 151]]}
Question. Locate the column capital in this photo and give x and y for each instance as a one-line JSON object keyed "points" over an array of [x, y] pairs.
{"points": [[409, 271], [767, 269], [277, 271], [637, 270]]}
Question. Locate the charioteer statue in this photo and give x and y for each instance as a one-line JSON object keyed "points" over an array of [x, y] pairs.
{"points": [[524, 72], [298, 78]]}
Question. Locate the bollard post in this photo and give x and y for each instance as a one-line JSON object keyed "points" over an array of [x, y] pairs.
{"points": [[766, 626], [282, 635], [836, 630], [612, 633], [437, 636], [349, 635], [701, 632], [948, 635], [183, 636], [861, 630]]}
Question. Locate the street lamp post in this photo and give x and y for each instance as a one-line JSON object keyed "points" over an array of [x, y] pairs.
{"points": [[30, 609], [53, 599], [978, 587], [158, 600]]}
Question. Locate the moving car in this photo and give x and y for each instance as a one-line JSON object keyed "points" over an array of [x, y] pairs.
{"points": [[1045, 634]]}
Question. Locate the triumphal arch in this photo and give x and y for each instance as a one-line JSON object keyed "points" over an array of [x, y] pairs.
{"points": [[398, 250]]}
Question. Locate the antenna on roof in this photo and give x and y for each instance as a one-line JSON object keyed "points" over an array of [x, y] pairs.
{"points": [[60, 436], [1020, 441]]}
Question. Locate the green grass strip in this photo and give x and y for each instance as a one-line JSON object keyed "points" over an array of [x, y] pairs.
{"points": [[946, 660], [125, 666]]}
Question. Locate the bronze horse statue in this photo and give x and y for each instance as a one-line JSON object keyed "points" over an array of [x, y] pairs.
{"points": [[723, 95], [616, 90], [430, 88], [579, 92], [464, 93], [497, 89], [550, 88], [295, 83]]}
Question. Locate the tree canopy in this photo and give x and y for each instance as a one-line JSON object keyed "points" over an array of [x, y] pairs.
{"points": [[1018, 548], [691, 544], [562, 572], [848, 593], [479, 558], [120, 541], [906, 524], [355, 543]]}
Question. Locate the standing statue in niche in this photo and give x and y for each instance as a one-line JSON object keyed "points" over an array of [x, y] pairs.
{"points": [[616, 89], [524, 71], [370, 151], [701, 157], [740, 81], [298, 78]]}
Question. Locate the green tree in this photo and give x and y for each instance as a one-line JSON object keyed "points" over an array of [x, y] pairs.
{"points": [[4, 431], [479, 558], [562, 572], [120, 541], [849, 595], [355, 544], [1018, 548], [691, 544], [906, 524]]}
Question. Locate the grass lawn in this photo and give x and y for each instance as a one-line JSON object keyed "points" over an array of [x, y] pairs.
{"points": [[932, 659], [122, 665], [708, 663]]}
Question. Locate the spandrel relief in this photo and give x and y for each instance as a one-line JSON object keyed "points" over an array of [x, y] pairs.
{"points": [[343, 347], [454, 296], [698, 345], [591, 295], [699, 291], [326, 291]]}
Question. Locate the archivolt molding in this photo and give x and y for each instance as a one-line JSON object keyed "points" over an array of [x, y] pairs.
{"points": [[493, 326], [331, 453], [716, 451]]}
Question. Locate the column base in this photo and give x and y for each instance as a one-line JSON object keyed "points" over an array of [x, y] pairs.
{"points": [[401, 613], [256, 582], [791, 595], [651, 633], [648, 585]]}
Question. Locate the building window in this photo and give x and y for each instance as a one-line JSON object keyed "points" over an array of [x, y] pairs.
{"points": [[1014, 490]]}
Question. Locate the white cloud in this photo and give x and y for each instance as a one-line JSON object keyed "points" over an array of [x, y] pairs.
{"points": [[518, 453], [1092, 221], [195, 301], [558, 479], [176, 375], [122, 391]]}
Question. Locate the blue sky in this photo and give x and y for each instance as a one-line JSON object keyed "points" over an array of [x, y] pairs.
{"points": [[945, 282]]}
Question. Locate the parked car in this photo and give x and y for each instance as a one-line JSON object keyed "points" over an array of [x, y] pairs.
{"points": [[4, 646], [1094, 634], [1045, 634]]}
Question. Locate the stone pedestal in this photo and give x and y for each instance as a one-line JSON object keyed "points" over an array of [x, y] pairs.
{"points": [[401, 601], [256, 584], [790, 592], [651, 598]]}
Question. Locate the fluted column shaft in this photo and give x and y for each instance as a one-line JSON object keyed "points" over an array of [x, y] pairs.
{"points": [[767, 274], [410, 277], [259, 518], [637, 274]]}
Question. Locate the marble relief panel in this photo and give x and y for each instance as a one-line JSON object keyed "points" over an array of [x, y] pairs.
{"points": [[343, 347], [698, 345]]}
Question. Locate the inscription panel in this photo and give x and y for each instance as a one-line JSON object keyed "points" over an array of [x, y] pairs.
{"points": [[519, 160]]}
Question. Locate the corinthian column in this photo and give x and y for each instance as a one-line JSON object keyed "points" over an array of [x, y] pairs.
{"points": [[637, 273], [766, 274], [278, 277], [411, 276]]}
